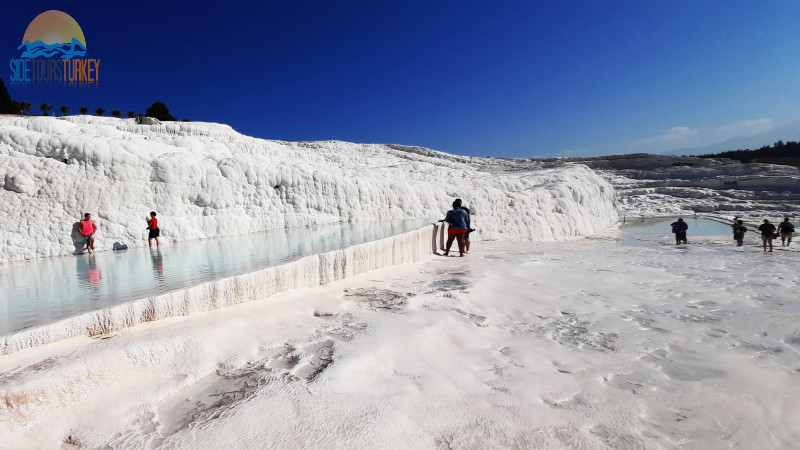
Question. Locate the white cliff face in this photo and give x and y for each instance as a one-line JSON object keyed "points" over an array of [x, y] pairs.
{"points": [[207, 180]]}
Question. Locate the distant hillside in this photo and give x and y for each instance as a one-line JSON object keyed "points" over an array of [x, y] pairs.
{"points": [[786, 153], [786, 133]]}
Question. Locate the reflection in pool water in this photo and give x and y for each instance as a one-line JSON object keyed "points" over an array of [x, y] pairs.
{"points": [[42, 291]]}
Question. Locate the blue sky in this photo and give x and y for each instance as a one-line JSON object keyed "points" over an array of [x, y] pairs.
{"points": [[512, 78]]}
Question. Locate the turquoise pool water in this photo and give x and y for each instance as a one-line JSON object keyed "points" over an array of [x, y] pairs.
{"points": [[42, 291], [658, 226]]}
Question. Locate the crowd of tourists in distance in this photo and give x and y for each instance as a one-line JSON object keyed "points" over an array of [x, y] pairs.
{"points": [[768, 231], [459, 227], [88, 228]]}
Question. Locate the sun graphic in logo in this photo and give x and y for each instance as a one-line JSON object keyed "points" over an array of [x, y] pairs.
{"points": [[53, 34]]}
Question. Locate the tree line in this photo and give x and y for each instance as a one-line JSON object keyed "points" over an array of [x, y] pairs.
{"points": [[157, 110], [784, 150]]}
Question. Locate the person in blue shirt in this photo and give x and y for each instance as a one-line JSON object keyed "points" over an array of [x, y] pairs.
{"points": [[456, 219], [679, 228], [469, 228], [469, 225]]}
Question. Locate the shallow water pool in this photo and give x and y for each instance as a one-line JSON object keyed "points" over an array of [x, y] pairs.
{"points": [[42, 291], [660, 225]]}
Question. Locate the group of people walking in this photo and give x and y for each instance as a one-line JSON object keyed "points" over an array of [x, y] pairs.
{"points": [[87, 228], [768, 231]]}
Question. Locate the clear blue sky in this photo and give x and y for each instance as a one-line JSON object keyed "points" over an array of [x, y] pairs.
{"points": [[509, 78]]}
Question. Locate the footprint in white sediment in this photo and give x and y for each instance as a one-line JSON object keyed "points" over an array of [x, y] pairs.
{"points": [[618, 439], [571, 330], [343, 326], [318, 356], [680, 366], [378, 299], [476, 319], [633, 382], [794, 339], [572, 402]]}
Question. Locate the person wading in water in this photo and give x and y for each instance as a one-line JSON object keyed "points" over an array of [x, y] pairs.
{"points": [[88, 228], [679, 228], [152, 225]]}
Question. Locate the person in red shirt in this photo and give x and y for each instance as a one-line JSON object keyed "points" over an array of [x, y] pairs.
{"points": [[87, 227], [152, 225]]}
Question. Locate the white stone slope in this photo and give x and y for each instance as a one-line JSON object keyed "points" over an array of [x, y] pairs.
{"points": [[207, 180]]}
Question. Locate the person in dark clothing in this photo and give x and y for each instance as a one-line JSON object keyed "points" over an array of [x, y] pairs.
{"points": [[738, 232], [786, 229], [456, 218], [767, 234], [679, 228]]}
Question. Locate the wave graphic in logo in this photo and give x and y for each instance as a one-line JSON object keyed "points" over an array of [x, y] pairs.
{"points": [[53, 52], [53, 34], [64, 51]]}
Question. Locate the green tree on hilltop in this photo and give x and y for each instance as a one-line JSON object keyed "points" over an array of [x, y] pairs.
{"points": [[25, 107], [83, 110], [64, 110], [116, 113], [131, 114], [159, 110], [45, 108], [99, 111]]}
